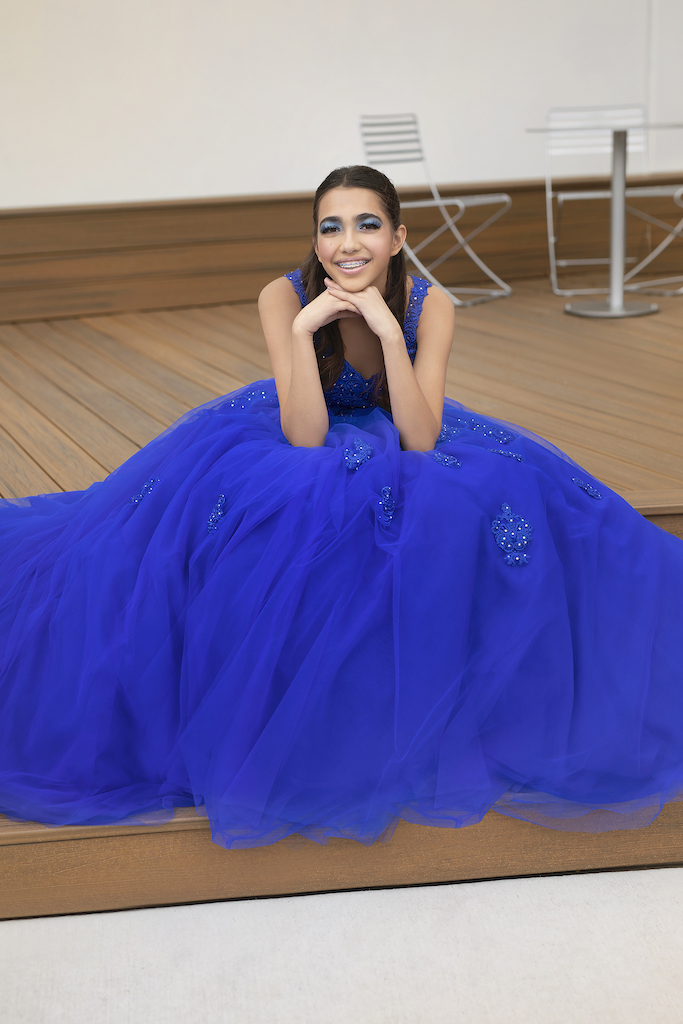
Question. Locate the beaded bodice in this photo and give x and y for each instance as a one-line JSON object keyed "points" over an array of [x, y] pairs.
{"points": [[351, 389]]}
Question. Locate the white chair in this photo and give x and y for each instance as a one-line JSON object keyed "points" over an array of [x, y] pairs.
{"points": [[573, 132], [395, 139]]}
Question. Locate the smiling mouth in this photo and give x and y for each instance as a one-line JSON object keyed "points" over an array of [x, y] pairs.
{"points": [[352, 264]]}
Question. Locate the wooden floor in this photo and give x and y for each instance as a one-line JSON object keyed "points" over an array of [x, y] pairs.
{"points": [[79, 396]]}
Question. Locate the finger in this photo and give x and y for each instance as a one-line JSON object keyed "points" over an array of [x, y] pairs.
{"points": [[332, 285]]}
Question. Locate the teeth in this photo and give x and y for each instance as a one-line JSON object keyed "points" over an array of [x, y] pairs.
{"points": [[352, 264]]}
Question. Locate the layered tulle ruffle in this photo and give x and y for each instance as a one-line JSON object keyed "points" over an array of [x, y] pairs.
{"points": [[325, 640]]}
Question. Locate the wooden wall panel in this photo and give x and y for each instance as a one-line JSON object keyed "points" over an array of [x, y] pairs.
{"points": [[80, 260]]}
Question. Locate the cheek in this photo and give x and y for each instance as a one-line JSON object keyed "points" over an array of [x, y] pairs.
{"points": [[324, 249]]}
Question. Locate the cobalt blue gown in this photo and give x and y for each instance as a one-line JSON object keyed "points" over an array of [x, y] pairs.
{"points": [[325, 640]]}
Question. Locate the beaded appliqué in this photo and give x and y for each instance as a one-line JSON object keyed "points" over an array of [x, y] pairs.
{"points": [[593, 492], [242, 401], [216, 515], [488, 430], [513, 535], [144, 490], [351, 390], [386, 506], [510, 455], [357, 453], [446, 460], [448, 433]]}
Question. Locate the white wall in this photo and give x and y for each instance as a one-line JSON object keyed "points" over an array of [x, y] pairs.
{"points": [[116, 100]]}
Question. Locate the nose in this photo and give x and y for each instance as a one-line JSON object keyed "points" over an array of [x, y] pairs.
{"points": [[350, 240]]}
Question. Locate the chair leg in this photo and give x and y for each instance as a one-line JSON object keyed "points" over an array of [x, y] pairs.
{"points": [[653, 287], [488, 297], [463, 244]]}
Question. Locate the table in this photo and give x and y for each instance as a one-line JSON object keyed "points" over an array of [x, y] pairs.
{"points": [[614, 306]]}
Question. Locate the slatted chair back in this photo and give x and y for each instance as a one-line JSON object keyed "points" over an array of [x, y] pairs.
{"points": [[391, 139]]}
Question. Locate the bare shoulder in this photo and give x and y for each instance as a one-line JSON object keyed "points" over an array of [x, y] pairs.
{"points": [[437, 303], [279, 295], [437, 321]]}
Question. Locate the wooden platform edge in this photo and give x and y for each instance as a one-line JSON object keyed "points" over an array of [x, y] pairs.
{"points": [[175, 864]]}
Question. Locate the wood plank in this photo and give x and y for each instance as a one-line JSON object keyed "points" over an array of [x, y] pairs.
{"points": [[658, 503], [205, 348], [608, 360], [120, 294], [65, 462], [16, 832], [21, 475], [166, 866], [133, 423], [163, 378], [567, 423], [670, 523], [150, 344], [611, 467], [34, 271], [247, 342], [154, 224], [213, 345], [105, 444], [84, 349]]}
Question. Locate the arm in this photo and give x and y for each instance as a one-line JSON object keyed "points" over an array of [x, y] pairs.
{"points": [[417, 392], [289, 331]]}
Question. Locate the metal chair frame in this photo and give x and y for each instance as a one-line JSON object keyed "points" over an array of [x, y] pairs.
{"points": [[577, 132], [395, 139]]}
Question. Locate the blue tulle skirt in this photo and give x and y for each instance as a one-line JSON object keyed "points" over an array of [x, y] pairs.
{"points": [[325, 640]]}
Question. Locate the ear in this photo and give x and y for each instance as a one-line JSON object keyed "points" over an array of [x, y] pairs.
{"points": [[400, 235]]}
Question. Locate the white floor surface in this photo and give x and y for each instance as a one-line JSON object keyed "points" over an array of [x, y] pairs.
{"points": [[578, 949]]}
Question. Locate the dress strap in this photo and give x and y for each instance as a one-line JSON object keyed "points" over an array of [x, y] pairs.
{"points": [[412, 317], [295, 277]]}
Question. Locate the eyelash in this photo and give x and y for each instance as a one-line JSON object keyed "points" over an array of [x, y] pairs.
{"points": [[328, 229]]}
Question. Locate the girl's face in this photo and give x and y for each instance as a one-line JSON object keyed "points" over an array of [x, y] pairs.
{"points": [[355, 239]]}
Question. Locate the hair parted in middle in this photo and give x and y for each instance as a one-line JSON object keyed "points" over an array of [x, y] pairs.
{"points": [[329, 347]]}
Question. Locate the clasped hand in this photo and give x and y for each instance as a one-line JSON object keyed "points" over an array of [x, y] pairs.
{"points": [[335, 303]]}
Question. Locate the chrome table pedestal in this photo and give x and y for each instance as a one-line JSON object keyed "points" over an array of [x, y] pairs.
{"points": [[615, 306]]}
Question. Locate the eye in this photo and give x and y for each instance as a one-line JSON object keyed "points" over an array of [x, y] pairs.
{"points": [[328, 227], [370, 224]]}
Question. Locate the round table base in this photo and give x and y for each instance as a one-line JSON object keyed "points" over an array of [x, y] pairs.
{"points": [[603, 310]]}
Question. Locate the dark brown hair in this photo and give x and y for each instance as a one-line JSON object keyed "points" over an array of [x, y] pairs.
{"points": [[329, 346]]}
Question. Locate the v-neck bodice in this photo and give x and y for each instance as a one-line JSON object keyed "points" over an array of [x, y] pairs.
{"points": [[351, 389]]}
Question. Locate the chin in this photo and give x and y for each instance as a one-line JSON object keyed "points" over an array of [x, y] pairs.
{"points": [[355, 283]]}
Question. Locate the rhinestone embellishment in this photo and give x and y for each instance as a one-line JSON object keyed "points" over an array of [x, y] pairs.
{"points": [[510, 455], [357, 453], [246, 398], [446, 460], [488, 430], [386, 505], [513, 535], [216, 515], [593, 492], [144, 490], [448, 433]]}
